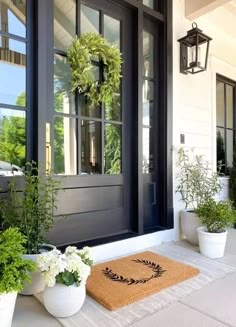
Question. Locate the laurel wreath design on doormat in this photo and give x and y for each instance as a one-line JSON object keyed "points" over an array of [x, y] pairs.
{"points": [[156, 268]]}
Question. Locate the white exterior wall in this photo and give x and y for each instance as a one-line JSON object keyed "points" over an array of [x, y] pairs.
{"points": [[194, 113]]}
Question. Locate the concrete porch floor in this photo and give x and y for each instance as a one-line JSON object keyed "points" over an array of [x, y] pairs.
{"points": [[211, 306]]}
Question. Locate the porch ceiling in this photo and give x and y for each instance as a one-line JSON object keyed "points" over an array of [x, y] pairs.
{"points": [[197, 8]]}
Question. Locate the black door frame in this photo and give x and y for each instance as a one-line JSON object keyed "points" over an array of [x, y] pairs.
{"points": [[40, 97]]}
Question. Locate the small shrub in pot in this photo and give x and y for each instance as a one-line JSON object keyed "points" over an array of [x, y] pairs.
{"points": [[215, 218]]}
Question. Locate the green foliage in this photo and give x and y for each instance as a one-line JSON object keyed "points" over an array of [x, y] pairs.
{"points": [[196, 182], [12, 140], [216, 216], [30, 209], [113, 149], [80, 55], [220, 153], [232, 181], [13, 268], [67, 278]]}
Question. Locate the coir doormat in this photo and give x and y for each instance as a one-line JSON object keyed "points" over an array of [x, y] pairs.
{"points": [[119, 282]]}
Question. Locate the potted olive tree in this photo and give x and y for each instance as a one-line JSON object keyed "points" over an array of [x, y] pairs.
{"points": [[195, 183], [14, 271], [215, 217], [31, 210]]}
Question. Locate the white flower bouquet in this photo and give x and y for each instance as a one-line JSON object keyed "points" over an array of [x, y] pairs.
{"points": [[70, 268]]}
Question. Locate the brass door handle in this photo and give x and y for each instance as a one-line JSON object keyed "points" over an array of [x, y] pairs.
{"points": [[48, 149]]}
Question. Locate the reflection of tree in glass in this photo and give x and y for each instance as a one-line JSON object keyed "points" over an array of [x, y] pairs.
{"points": [[59, 166], [113, 111], [13, 136], [113, 149], [220, 153]]}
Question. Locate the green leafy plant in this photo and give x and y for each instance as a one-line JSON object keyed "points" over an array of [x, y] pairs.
{"points": [[80, 55], [14, 269], [232, 181], [216, 216], [31, 208], [196, 183]]}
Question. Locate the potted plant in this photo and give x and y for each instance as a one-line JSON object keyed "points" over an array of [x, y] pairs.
{"points": [[65, 276], [215, 218], [30, 209], [14, 271], [195, 183], [232, 182]]}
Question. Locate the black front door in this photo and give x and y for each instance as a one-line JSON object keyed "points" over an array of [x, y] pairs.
{"points": [[96, 141]]}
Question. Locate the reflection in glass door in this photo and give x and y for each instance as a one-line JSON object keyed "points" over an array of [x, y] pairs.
{"points": [[148, 131]]}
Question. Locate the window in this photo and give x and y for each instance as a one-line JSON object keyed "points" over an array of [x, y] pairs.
{"points": [[87, 139], [13, 104], [225, 124]]}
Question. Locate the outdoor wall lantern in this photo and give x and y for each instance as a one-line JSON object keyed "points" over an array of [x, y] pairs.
{"points": [[194, 49]]}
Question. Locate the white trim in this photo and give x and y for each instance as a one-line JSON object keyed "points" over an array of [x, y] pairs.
{"points": [[131, 245]]}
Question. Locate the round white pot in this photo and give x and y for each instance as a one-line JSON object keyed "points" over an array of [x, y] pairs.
{"points": [[37, 284], [63, 301], [7, 306], [212, 245], [189, 222]]}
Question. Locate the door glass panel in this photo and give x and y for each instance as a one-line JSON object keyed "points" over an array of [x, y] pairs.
{"points": [[148, 52], [90, 147], [13, 17], [112, 30], [87, 109], [220, 141], [147, 151], [89, 20], [64, 23], [149, 3], [65, 145], [229, 105], [113, 111], [12, 67], [112, 149], [220, 103], [230, 147], [147, 103], [64, 98], [12, 139]]}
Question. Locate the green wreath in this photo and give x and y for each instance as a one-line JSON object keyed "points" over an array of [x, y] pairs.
{"points": [[80, 55]]}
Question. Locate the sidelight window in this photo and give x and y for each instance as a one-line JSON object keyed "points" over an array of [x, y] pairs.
{"points": [[13, 104]]}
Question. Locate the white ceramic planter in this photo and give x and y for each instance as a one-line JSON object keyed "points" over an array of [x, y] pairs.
{"points": [[63, 301], [37, 284], [189, 222], [212, 245], [7, 306]]}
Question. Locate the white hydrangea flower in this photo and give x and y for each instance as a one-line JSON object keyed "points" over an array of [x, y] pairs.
{"points": [[73, 261]]}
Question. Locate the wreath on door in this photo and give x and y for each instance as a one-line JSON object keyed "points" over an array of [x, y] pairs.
{"points": [[81, 54]]}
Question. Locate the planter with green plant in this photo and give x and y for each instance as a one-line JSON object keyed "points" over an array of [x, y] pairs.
{"points": [[232, 182], [14, 271], [215, 217], [195, 183], [31, 210]]}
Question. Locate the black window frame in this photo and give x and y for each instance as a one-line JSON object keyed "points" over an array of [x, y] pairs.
{"points": [[224, 170]]}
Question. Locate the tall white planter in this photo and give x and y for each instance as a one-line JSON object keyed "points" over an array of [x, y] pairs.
{"points": [[63, 301], [212, 245], [7, 306], [189, 222], [37, 284]]}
